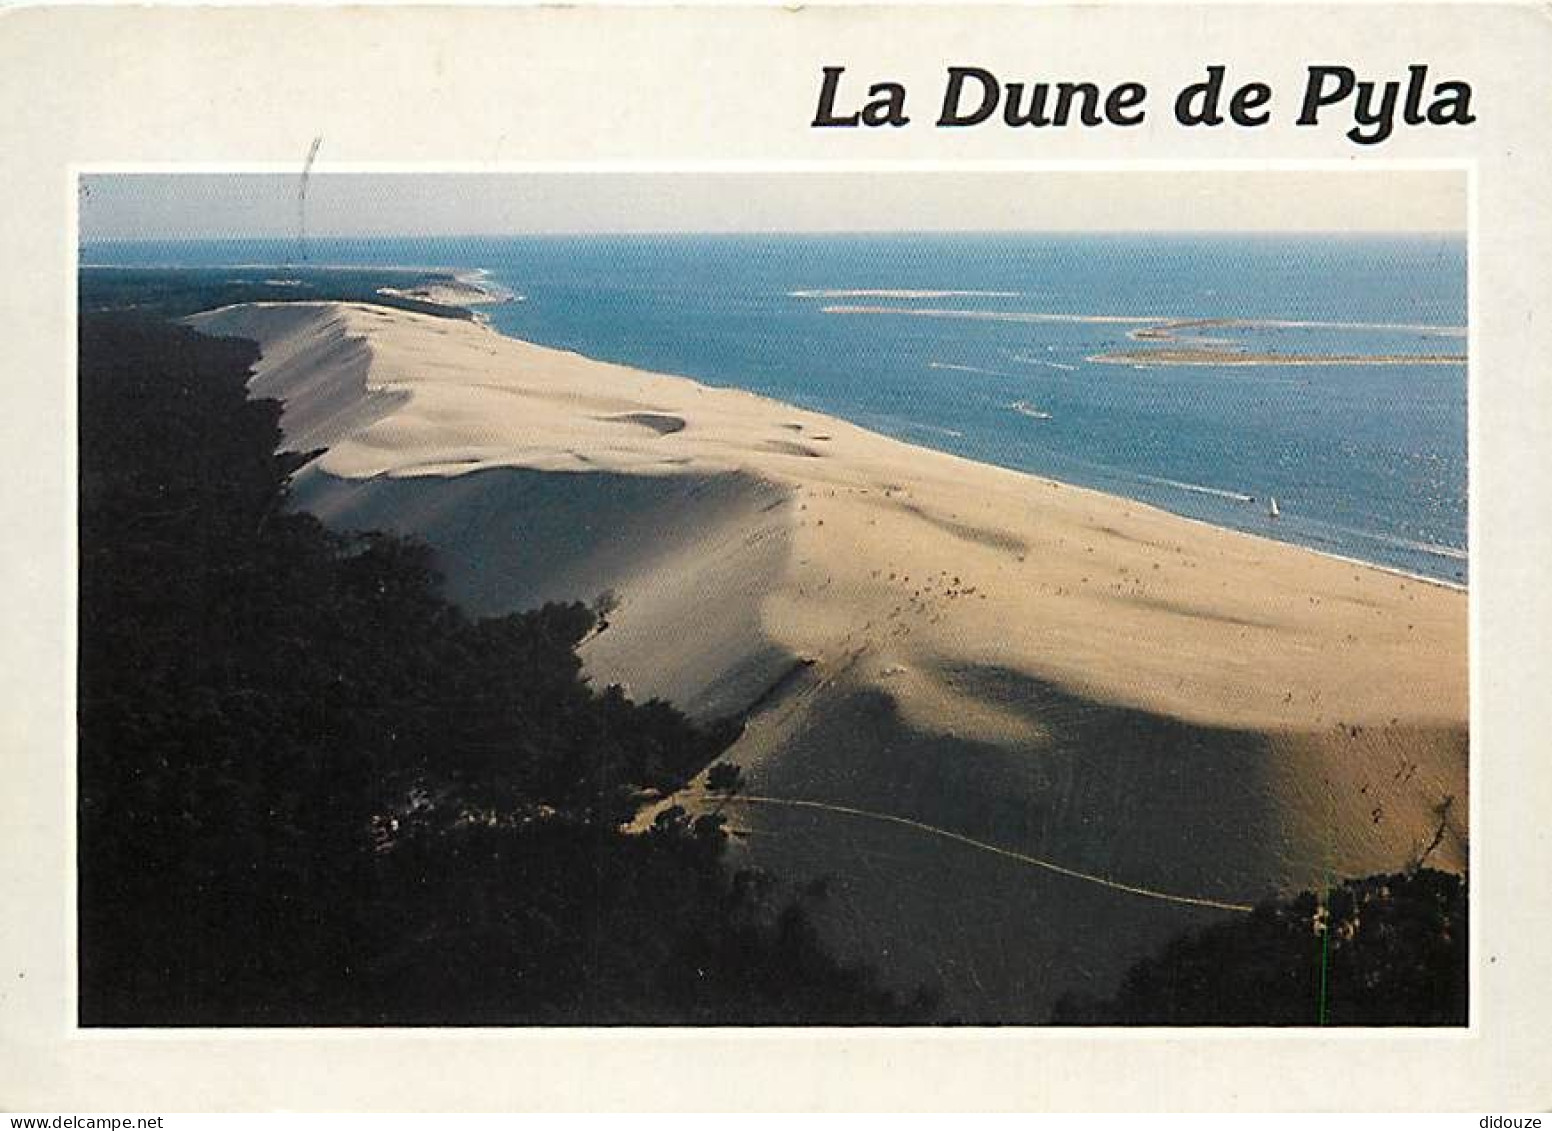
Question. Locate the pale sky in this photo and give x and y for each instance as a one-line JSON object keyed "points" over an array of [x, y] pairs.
{"points": [[196, 205]]}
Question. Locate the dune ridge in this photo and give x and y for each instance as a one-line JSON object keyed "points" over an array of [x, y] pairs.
{"points": [[1047, 670]]}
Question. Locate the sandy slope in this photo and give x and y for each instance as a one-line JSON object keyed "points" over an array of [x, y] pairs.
{"points": [[1056, 672]]}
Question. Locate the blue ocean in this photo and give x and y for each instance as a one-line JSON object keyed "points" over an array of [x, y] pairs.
{"points": [[1154, 366]]}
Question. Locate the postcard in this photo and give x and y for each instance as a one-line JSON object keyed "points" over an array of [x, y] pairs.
{"points": [[905, 558]]}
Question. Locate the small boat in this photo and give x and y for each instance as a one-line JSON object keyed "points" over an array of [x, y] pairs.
{"points": [[1271, 507]]}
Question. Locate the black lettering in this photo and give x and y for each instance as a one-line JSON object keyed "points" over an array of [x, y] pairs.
{"points": [[1412, 113]]}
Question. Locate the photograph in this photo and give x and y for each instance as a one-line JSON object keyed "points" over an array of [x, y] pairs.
{"points": [[738, 598]]}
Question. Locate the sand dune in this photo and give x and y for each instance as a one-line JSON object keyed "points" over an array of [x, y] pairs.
{"points": [[1050, 671]]}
